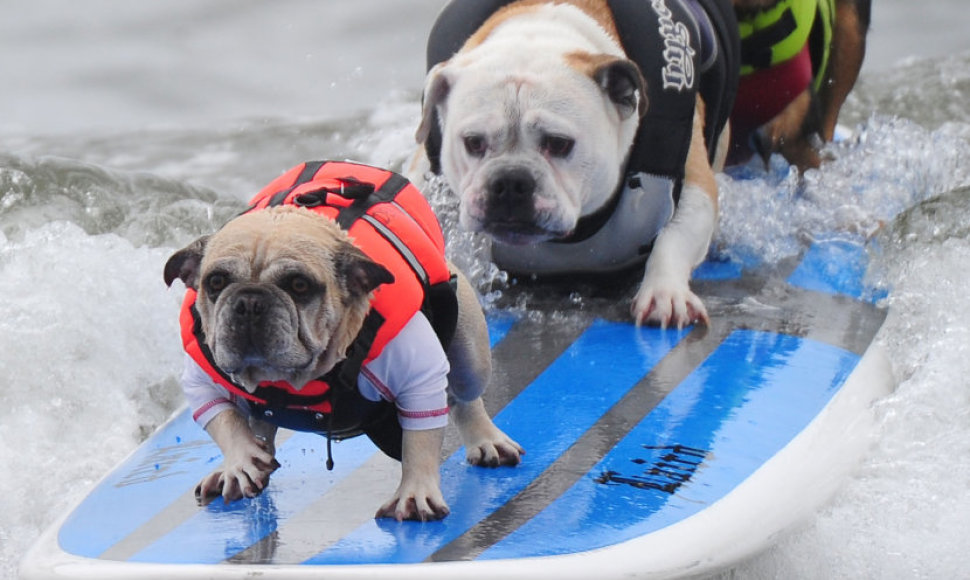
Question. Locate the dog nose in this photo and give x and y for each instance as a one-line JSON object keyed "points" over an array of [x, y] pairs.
{"points": [[511, 185], [249, 304], [510, 196]]}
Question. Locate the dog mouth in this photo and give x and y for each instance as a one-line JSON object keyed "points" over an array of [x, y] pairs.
{"points": [[250, 369], [252, 372]]}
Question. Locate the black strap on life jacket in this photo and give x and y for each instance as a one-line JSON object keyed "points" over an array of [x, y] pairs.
{"points": [[310, 169], [663, 138], [756, 49], [664, 135]]}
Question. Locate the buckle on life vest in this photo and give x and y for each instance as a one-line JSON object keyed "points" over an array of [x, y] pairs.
{"points": [[349, 188]]}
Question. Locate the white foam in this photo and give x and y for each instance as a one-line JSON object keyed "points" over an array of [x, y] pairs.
{"points": [[887, 166], [904, 513], [89, 338]]}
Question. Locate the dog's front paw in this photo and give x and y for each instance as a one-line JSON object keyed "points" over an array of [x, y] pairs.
{"points": [[668, 306], [238, 478], [415, 502]]}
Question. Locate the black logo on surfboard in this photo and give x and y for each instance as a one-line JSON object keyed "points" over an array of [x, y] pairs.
{"points": [[673, 468]]}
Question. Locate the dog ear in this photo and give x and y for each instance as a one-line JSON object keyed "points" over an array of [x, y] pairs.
{"points": [[436, 90], [623, 82], [184, 264], [359, 274]]}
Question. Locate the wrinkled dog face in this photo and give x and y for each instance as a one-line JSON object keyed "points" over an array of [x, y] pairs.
{"points": [[281, 294], [532, 142]]}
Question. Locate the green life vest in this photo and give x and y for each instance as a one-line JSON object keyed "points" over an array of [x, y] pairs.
{"points": [[775, 35]]}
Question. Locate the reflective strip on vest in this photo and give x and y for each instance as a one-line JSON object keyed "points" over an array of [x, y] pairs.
{"points": [[826, 15]]}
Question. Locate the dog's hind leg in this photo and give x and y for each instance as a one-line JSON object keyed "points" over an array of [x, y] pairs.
{"points": [[471, 369], [468, 353], [485, 444]]}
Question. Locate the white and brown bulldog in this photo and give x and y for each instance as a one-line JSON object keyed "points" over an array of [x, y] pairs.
{"points": [[538, 111]]}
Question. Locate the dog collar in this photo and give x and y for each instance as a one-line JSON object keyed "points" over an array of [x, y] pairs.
{"points": [[589, 225]]}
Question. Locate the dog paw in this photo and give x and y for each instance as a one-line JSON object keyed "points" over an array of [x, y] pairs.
{"points": [[485, 444], [668, 307], [235, 482], [493, 450], [415, 504]]}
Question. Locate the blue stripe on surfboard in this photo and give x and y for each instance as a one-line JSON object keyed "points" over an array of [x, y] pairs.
{"points": [[300, 481], [754, 394], [159, 472], [546, 418]]}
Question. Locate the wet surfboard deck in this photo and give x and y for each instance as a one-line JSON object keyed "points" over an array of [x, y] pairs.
{"points": [[650, 453]]}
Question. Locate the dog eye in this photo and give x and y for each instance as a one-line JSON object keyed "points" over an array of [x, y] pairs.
{"points": [[298, 285], [557, 146], [216, 283], [475, 145]]}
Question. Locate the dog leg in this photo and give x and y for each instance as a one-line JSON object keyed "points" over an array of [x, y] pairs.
{"points": [[265, 432], [723, 147], [485, 444], [665, 297], [248, 458], [846, 56], [471, 369], [793, 133], [418, 497]]}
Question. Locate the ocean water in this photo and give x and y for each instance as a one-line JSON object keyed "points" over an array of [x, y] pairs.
{"points": [[127, 129]]}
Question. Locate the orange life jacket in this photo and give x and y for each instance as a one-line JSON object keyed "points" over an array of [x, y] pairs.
{"points": [[392, 223]]}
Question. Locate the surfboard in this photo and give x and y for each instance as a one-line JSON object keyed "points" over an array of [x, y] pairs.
{"points": [[651, 453]]}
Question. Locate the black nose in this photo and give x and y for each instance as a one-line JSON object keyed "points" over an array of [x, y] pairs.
{"points": [[511, 196], [512, 184], [249, 305]]}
